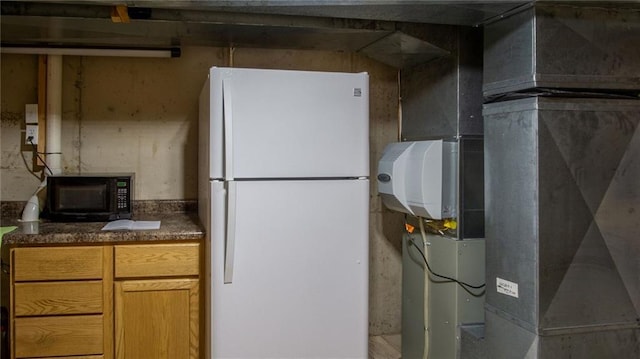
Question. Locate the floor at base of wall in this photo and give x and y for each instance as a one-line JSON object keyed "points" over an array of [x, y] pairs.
{"points": [[385, 347]]}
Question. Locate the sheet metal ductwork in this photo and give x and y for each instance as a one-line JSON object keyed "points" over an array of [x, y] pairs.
{"points": [[561, 170]]}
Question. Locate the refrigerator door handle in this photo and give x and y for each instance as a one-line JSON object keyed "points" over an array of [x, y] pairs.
{"points": [[227, 113], [230, 240]]}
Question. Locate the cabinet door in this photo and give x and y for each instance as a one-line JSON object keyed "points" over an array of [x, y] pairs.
{"points": [[157, 319]]}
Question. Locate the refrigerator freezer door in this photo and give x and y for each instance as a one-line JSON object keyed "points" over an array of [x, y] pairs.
{"points": [[300, 276], [288, 124]]}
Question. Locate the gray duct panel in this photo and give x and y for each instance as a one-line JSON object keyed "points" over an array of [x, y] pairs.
{"points": [[274, 32], [442, 98], [471, 187], [402, 51], [326, 25], [470, 82], [430, 101], [449, 304], [468, 13], [562, 219], [563, 46], [511, 215], [455, 12], [414, 328], [504, 339], [472, 343]]}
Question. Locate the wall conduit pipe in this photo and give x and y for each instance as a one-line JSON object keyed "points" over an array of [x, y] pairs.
{"points": [[54, 114], [32, 209]]}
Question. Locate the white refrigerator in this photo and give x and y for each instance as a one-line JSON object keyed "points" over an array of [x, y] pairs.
{"points": [[284, 197]]}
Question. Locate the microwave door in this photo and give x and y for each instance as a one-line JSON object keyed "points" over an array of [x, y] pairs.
{"points": [[76, 197], [82, 198]]}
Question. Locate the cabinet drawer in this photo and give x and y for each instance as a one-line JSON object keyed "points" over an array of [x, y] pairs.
{"points": [[58, 336], [156, 260], [58, 263], [58, 298]]}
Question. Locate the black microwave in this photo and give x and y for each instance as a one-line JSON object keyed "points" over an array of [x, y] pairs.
{"points": [[91, 197]]}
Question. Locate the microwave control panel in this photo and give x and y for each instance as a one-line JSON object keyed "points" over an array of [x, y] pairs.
{"points": [[123, 192]]}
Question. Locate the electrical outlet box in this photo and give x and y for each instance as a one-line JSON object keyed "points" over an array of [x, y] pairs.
{"points": [[32, 131], [31, 113]]}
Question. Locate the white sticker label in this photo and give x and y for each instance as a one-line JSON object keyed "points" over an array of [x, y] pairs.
{"points": [[506, 287]]}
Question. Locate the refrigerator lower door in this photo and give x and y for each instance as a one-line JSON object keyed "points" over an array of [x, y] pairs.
{"points": [[300, 271]]}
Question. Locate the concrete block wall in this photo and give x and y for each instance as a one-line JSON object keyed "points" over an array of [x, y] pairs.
{"points": [[140, 115]]}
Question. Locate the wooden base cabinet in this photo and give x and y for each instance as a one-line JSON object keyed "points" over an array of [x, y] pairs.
{"points": [[157, 301], [127, 301], [157, 318], [61, 302]]}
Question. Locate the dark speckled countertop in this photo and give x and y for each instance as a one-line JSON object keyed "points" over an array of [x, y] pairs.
{"points": [[178, 222]]}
